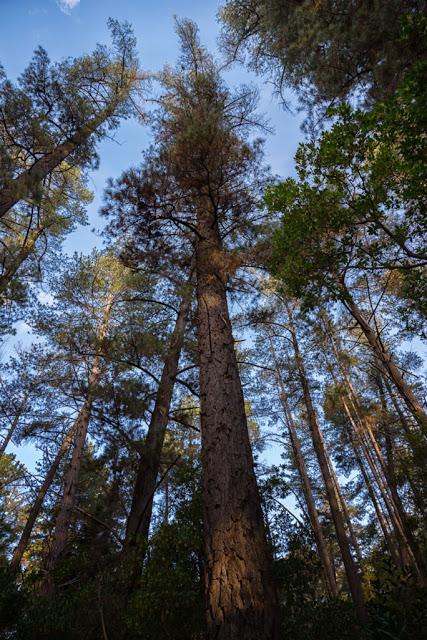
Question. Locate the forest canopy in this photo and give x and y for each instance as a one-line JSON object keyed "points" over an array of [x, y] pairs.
{"points": [[223, 399]]}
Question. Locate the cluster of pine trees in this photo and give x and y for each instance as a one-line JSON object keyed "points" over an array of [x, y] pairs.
{"points": [[232, 320]]}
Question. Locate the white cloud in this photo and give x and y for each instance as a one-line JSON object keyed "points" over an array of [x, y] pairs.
{"points": [[67, 5]]}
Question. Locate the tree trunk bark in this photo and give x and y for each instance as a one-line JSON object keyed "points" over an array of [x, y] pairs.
{"points": [[325, 558], [377, 507], [353, 577], [390, 473], [344, 508], [241, 596], [139, 519], [386, 360], [62, 525], [27, 183], [11, 431], [419, 452], [35, 509], [407, 545]]}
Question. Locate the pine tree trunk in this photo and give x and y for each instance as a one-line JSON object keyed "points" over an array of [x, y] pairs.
{"points": [[35, 509], [352, 431], [63, 521], [378, 510], [139, 519], [62, 524], [390, 472], [325, 558], [10, 432], [407, 545], [353, 577], [27, 184], [388, 364], [241, 597], [22, 256], [419, 451], [344, 508]]}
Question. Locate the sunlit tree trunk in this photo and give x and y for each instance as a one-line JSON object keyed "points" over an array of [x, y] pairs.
{"points": [[325, 558], [407, 545], [241, 597]]}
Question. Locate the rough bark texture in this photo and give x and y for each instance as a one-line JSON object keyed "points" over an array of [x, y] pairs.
{"points": [[325, 558], [35, 509], [353, 577], [241, 598], [138, 523]]}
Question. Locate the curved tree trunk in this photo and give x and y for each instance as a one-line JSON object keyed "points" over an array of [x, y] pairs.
{"points": [[241, 597]]}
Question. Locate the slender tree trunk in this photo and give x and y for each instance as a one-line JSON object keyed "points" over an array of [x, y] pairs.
{"points": [[241, 596], [11, 430], [35, 509], [352, 431], [407, 544], [27, 183], [325, 558], [419, 452], [352, 574], [139, 519], [390, 472], [344, 508], [63, 521], [378, 510], [386, 360]]}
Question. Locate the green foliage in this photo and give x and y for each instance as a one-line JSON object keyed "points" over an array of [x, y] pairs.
{"points": [[327, 50], [359, 201]]}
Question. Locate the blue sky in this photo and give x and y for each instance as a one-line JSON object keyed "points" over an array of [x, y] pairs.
{"points": [[71, 27]]}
